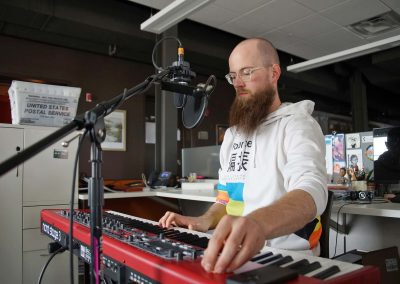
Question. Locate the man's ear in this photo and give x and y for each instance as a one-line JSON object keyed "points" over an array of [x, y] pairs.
{"points": [[276, 72]]}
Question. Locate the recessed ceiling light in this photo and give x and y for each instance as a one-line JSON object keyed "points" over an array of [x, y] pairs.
{"points": [[376, 25]]}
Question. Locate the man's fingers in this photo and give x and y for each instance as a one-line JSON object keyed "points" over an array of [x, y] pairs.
{"points": [[167, 219], [235, 240], [252, 242], [216, 243], [210, 256], [243, 254], [171, 219], [234, 244], [161, 222]]}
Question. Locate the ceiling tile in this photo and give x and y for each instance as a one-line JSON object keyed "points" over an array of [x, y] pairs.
{"points": [[157, 4], [311, 26], [338, 40], [354, 11], [268, 17], [393, 4], [213, 15], [280, 38], [241, 6], [305, 50], [240, 29], [318, 5]]}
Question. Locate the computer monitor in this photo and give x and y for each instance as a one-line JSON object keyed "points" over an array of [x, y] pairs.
{"points": [[204, 161], [386, 155]]}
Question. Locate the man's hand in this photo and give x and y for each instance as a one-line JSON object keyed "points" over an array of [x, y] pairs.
{"points": [[192, 223], [234, 241]]}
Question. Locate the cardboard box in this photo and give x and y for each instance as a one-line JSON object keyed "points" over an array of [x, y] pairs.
{"points": [[42, 104], [387, 260]]}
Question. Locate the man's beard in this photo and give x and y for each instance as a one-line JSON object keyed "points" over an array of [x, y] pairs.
{"points": [[249, 112]]}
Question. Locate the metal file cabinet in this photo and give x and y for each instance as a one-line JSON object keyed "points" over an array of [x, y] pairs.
{"points": [[43, 181]]}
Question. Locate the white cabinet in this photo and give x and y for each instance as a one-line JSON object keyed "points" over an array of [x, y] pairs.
{"points": [[42, 182]]}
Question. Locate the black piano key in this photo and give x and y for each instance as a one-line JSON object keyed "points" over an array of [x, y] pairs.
{"points": [[271, 258], [308, 268], [283, 260], [262, 256], [327, 272], [185, 237], [202, 242], [171, 233], [298, 264], [189, 239], [263, 275]]}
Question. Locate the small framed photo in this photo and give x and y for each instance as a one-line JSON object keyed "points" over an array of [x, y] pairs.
{"points": [[220, 132], [115, 131]]}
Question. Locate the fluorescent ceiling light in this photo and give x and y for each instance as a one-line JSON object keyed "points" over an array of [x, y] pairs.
{"points": [[171, 15], [345, 54]]}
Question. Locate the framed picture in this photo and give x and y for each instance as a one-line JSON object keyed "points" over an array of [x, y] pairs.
{"points": [[220, 132], [115, 131]]}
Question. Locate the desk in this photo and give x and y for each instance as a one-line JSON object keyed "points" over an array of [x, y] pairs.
{"points": [[366, 226], [373, 209], [150, 204], [198, 195]]}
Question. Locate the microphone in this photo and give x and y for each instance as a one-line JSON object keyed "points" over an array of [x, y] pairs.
{"points": [[192, 100], [196, 99], [181, 74]]}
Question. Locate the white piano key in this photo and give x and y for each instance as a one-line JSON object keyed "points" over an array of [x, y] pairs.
{"points": [[344, 267]]}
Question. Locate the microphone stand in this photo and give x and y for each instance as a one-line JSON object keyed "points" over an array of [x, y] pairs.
{"points": [[93, 121]]}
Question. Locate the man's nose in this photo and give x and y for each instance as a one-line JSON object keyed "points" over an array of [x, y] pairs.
{"points": [[238, 82]]}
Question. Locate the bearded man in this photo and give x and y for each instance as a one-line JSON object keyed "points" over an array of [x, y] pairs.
{"points": [[272, 180]]}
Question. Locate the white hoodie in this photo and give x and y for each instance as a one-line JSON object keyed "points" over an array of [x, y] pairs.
{"points": [[286, 152]]}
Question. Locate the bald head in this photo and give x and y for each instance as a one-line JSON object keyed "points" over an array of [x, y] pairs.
{"points": [[263, 49]]}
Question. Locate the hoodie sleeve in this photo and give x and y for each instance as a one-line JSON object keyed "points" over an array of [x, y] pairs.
{"points": [[305, 169]]}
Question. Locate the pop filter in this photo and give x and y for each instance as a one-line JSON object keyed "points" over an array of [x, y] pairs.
{"points": [[193, 111], [195, 105]]}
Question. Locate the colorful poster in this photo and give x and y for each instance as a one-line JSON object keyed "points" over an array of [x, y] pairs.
{"points": [[353, 141], [337, 166], [338, 148], [328, 155], [354, 159]]}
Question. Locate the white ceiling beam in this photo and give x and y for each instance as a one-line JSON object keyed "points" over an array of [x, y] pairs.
{"points": [[345, 54], [172, 14]]}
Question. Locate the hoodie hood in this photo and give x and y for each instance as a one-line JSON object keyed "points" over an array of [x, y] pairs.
{"points": [[305, 107]]}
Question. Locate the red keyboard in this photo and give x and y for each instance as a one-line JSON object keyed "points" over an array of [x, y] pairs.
{"points": [[138, 250]]}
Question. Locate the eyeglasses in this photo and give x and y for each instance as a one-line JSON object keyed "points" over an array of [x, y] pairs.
{"points": [[244, 74]]}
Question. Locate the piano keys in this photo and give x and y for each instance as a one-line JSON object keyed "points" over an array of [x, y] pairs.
{"points": [[136, 249]]}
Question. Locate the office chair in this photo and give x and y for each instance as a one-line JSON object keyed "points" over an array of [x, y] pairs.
{"points": [[325, 221]]}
